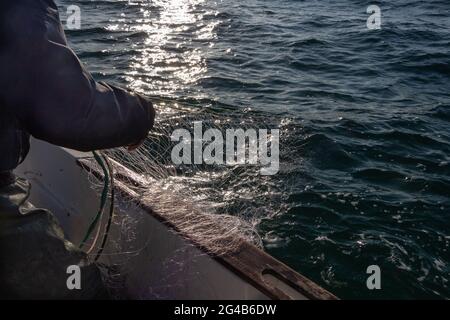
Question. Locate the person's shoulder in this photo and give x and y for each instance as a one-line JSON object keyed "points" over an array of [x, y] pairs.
{"points": [[25, 21]]}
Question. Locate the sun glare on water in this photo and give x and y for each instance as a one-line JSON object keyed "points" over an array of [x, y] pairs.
{"points": [[170, 53]]}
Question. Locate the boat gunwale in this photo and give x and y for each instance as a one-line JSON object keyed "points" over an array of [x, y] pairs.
{"points": [[246, 261]]}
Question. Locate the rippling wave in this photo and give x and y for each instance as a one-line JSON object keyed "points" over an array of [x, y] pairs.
{"points": [[364, 118]]}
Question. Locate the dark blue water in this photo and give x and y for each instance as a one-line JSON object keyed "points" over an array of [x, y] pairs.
{"points": [[364, 116]]}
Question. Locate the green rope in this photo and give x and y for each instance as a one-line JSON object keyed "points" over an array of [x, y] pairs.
{"points": [[104, 198], [111, 208]]}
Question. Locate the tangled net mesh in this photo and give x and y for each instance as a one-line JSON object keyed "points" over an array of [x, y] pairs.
{"points": [[196, 198]]}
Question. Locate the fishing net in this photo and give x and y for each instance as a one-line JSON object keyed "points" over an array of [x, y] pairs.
{"points": [[214, 207]]}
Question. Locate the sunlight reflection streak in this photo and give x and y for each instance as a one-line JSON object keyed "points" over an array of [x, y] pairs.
{"points": [[173, 36]]}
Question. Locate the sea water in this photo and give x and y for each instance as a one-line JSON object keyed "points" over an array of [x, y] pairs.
{"points": [[363, 113]]}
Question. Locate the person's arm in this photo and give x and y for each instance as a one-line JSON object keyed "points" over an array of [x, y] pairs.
{"points": [[58, 101]]}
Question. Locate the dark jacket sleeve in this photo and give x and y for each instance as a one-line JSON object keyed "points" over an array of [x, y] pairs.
{"points": [[57, 100]]}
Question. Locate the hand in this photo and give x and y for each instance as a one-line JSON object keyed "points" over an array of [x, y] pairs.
{"points": [[135, 146]]}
